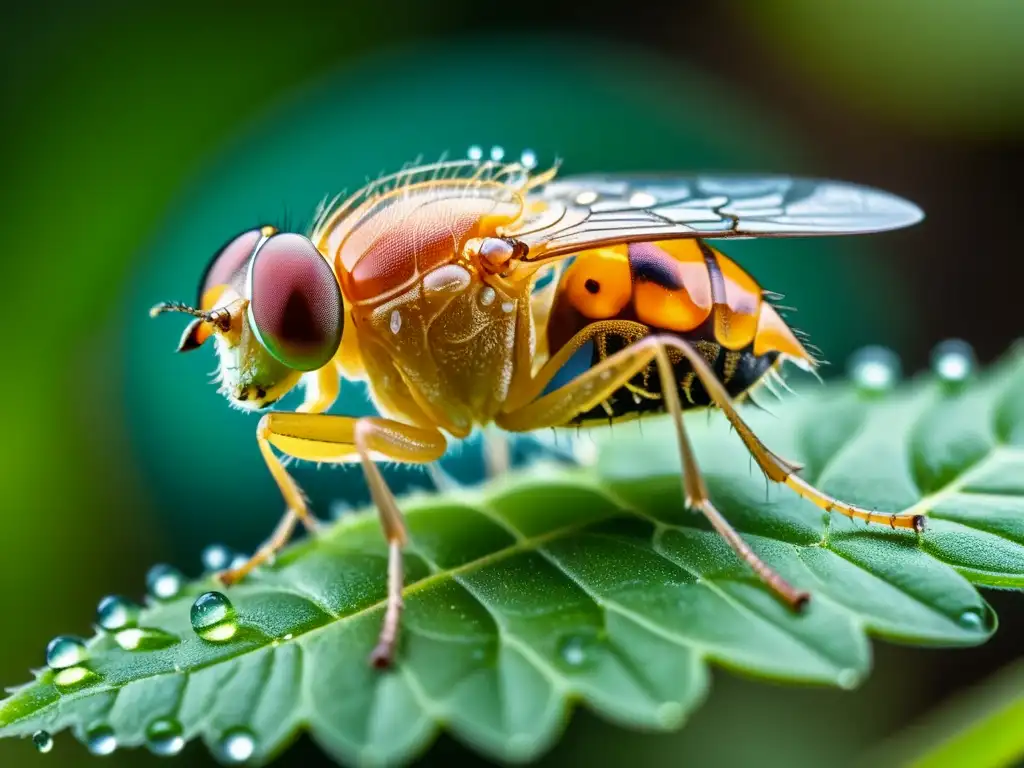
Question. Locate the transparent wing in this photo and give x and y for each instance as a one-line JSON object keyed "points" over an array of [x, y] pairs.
{"points": [[581, 212]]}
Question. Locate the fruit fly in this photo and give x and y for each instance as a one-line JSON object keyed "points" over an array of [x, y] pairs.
{"points": [[427, 285]]}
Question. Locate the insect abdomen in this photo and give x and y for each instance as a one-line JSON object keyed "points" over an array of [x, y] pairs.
{"points": [[683, 288], [739, 371]]}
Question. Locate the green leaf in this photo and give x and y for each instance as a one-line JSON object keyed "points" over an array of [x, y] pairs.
{"points": [[594, 585]]}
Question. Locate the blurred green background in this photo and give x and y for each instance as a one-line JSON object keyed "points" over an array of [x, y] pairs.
{"points": [[137, 138]]}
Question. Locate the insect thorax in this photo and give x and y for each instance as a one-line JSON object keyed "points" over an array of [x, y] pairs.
{"points": [[436, 340]]}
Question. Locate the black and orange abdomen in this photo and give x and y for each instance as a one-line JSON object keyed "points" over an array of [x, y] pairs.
{"points": [[681, 287]]}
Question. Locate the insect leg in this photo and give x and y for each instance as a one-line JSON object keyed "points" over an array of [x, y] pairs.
{"points": [[322, 389], [779, 470], [402, 443], [595, 385], [332, 439]]}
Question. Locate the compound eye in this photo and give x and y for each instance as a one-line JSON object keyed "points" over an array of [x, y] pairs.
{"points": [[295, 302], [226, 265]]}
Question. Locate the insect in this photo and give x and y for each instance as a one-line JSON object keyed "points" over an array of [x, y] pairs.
{"points": [[426, 285]]}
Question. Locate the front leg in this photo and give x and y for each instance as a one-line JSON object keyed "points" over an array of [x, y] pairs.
{"points": [[335, 439], [322, 389]]}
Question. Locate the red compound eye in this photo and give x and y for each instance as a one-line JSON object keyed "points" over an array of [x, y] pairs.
{"points": [[227, 264], [295, 302]]}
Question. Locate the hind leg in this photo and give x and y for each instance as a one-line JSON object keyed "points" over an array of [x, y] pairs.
{"points": [[594, 386]]}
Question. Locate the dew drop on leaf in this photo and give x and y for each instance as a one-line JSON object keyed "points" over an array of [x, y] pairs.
{"points": [[101, 741], [164, 582], [144, 639], [43, 741], [578, 650], [972, 619], [874, 369], [216, 557], [116, 612], [75, 676], [953, 361], [237, 746], [165, 737], [214, 617], [65, 651]]}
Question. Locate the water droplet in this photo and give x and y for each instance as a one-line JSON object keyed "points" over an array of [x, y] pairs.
{"points": [[642, 199], [289, 636], [874, 369], [953, 361], [497, 153], [848, 679], [396, 321], [487, 295], [973, 620], [144, 639], [216, 557], [65, 651], [43, 741], [586, 198], [101, 741], [116, 612], [165, 737], [214, 618], [74, 676], [578, 650], [507, 306], [240, 560], [475, 152], [164, 582], [237, 746], [528, 159]]}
